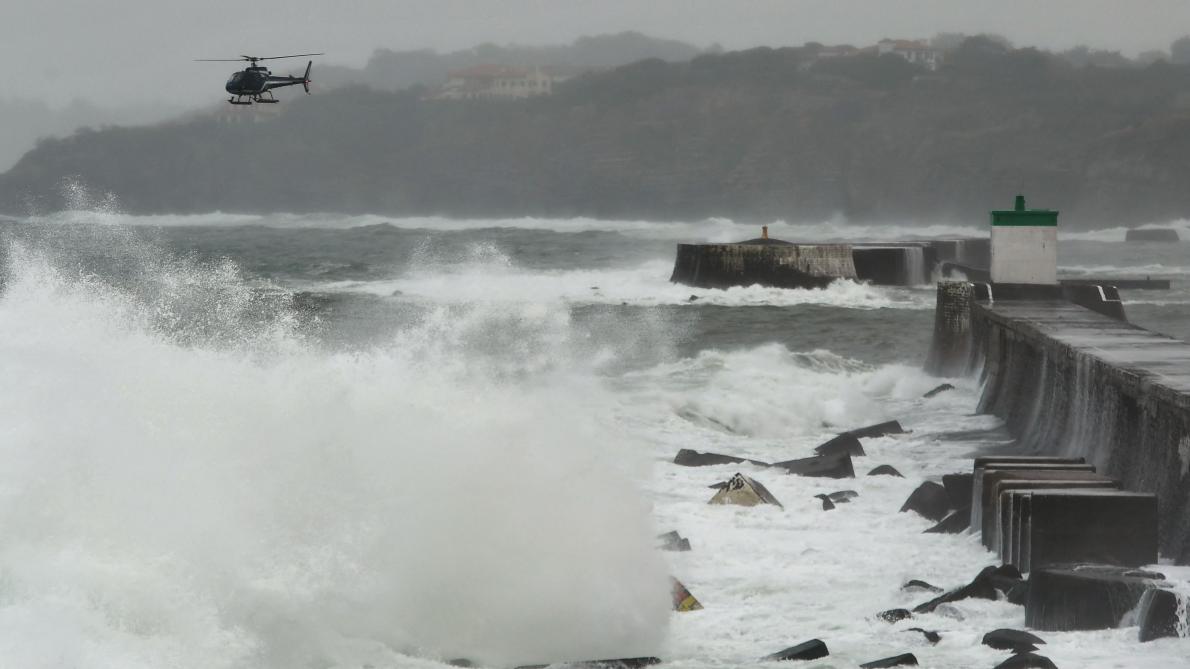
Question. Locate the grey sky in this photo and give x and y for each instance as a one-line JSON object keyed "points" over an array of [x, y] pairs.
{"points": [[140, 51]]}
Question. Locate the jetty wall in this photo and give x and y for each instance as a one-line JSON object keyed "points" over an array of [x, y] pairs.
{"points": [[1070, 381], [777, 264]]}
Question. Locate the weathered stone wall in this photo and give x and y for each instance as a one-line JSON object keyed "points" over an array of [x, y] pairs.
{"points": [[1069, 381], [773, 264]]}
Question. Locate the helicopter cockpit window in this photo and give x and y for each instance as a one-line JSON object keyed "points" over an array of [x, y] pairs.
{"points": [[235, 78]]}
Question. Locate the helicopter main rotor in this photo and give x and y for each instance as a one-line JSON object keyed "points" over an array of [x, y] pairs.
{"points": [[253, 59]]}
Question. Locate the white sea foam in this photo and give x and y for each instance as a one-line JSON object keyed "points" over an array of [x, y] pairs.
{"points": [[488, 275], [187, 502], [704, 230]]}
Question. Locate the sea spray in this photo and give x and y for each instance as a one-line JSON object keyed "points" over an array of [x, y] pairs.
{"points": [[172, 496]]}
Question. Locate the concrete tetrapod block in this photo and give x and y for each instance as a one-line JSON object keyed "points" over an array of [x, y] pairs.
{"points": [[986, 461], [1157, 614], [1004, 522], [744, 491], [837, 466], [1083, 597], [929, 500], [1108, 527], [958, 488], [689, 458], [985, 479], [622, 663], [683, 600], [902, 660], [844, 443], [878, 430], [809, 650]]}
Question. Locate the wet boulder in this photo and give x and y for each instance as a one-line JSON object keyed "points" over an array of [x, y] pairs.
{"points": [[877, 430], [885, 470], [955, 523], [915, 584], [837, 466], [622, 663], [986, 585], [902, 660], [1027, 661], [1083, 597], [1017, 641], [689, 458], [809, 650], [958, 489], [843, 496], [682, 599], [743, 491], [827, 504], [930, 635], [938, 390], [844, 443], [1157, 614], [894, 615], [928, 500], [672, 541]]}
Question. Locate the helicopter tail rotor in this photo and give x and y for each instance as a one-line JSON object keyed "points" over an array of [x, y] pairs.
{"points": [[306, 77]]}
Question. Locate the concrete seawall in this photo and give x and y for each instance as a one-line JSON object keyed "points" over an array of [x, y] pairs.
{"points": [[1070, 381], [766, 262]]}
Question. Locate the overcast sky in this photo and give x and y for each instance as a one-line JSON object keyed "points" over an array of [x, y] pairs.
{"points": [[141, 50]]}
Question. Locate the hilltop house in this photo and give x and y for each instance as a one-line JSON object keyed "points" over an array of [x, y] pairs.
{"points": [[498, 81], [914, 51]]}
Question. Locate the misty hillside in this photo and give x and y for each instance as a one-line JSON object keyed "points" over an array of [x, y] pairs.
{"points": [[394, 70], [763, 133]]}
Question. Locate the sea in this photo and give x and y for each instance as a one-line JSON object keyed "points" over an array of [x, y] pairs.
{"points": [[329, 441]]}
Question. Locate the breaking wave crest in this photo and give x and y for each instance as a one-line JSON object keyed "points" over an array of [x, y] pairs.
{"points": [[188, 482]]}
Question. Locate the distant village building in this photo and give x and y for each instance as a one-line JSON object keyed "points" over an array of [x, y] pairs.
{"points": [[917, 52], [497, 82]]}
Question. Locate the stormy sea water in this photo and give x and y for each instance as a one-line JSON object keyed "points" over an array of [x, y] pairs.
{"points": [[328, 441]]}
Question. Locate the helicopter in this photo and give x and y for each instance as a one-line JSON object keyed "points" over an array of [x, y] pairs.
{"points": [[256, 83]]}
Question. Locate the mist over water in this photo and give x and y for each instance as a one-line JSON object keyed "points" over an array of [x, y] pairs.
{"points": [[189, 483]]}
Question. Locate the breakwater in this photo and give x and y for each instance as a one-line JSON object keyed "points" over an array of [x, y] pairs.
{"points": [[1078, 381]]}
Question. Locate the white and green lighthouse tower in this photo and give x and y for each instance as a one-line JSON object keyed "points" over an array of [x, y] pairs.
{"points": [[1025, 245]]}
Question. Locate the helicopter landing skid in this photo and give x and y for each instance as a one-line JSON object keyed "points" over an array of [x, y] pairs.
{"points": [[237, 101]]}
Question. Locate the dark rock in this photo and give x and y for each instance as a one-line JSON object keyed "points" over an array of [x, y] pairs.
{"points": [[938, 390], [837, 466], [878, 430], [986, 585], [810, 650], [932, 637], [958, 489], [689, 458], [844, 443], [672, 541], [1019, 593], [902, 660], [827, 504], [885, 470], [928, 500], [1016, 641], [460, 662], [1157, 614], [692, 298], [1027, 661], [1081, 597], [894, 615], [920, 585], [955, 523], [623, 663], [843, 496]]}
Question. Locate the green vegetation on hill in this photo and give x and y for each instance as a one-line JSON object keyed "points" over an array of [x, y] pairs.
{"points": [[762, 133]]}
